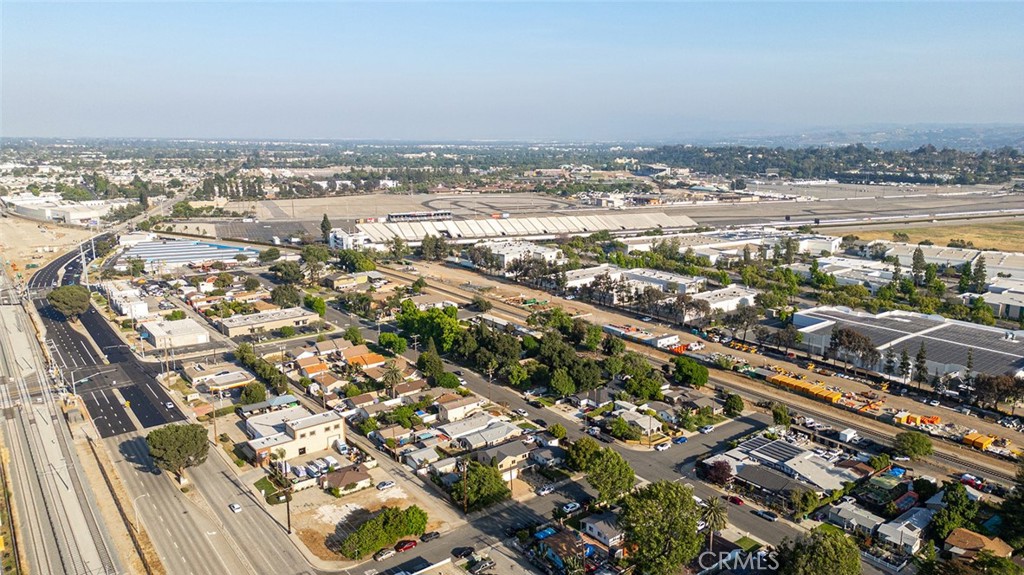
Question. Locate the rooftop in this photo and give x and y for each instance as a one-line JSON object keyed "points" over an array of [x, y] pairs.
{"points": [[164, 328], [273, 423], [288, 313]]}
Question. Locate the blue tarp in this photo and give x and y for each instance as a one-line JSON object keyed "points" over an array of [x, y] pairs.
{"points": [[545, 533], [897, 471]]}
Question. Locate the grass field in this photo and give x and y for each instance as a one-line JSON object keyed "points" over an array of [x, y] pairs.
{"points": [[1004, 236]]}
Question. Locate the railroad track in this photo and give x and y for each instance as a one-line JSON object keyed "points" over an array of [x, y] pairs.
{"points": [[659, 358]]}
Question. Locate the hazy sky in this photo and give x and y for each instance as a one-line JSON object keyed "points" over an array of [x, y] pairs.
{"points": [[487, 70]]}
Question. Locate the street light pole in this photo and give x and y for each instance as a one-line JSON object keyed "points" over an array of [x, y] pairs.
{"points": [[135, 504]]}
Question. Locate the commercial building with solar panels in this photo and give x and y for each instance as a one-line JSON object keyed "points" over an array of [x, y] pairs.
{"points": [[166, 254], [376, 235], [946, 341]]}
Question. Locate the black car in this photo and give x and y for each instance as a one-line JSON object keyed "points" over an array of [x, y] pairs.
{"points": [[429, 536], [535, 403], [462, 552], [458, 372]]}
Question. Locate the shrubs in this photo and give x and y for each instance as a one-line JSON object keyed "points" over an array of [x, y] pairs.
{"points": [[384, 530]]}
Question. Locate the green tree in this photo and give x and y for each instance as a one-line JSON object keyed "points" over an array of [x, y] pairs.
{"points": [[251, 284], [561, 383], [430, 364], [287, 331], [70, 300], [285, 296], [780, 414], [905, 365], [269, 255], [917, 266], [912, 444], [610, 475], [979, 278], [384, 530], [921, 366], [392, 374], [715, 515], [581, 454], [316, 304], [733, 405], [447, 380], [315, 256], [254, 392], [820, 552], [483, 486], [393, 342], [177, 447], [482, 304], [557, 430], [175, 315], [959, 510], [353, 335], [325, 228], [287, 271], [660, 521], [612, 345], [689, 372]]}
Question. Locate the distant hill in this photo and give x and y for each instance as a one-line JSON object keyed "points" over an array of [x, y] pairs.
{"points": [[958, 137]]}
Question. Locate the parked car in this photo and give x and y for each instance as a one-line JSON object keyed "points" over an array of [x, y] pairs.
{"points": [[522, 413], [570, 507], [647, 318], [405, 545], [384, 485], [430, 536], [383, 554], [535, 403], [594, 430], [707, 429], [528, 439], [462, 552], [545, 490], [680, 439], [662, 447], [235, 508], [768, 515], [481, 566], [459, 372], [735, 500], [934, 403]]}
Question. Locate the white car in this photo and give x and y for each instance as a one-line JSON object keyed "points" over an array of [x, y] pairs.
{"points": [[545, 490], [385, 485], [707, 429], [934, 403], [570, 507], [169, 405], [647, 318], [235, 508], [570, 297], [522, 413], [661, 447], [594, 430], [529, 439]]}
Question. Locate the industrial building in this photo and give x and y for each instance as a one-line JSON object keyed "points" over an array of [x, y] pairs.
{"points": [[51, 207], [635, 279], [376, 235], [238, 325], [946, 341], [872, 274], [163, 334], [508, 251], [728, 298], [125, 299], [217, 377], [167, 254]]}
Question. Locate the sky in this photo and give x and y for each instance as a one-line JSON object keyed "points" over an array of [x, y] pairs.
{"points": [[502, 71]]}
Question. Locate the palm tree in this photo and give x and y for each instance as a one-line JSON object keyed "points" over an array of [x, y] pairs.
{"points": [[715, 516], [392, 375]]}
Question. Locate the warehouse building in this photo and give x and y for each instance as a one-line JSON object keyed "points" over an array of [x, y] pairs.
{"points": [[238, 325], [163, 334], [376, 235], [164, 255], [947, 341]]}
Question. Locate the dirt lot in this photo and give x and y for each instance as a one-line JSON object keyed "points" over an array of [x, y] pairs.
{"points": [[1005, 236], [321, 519], [26, 242]]}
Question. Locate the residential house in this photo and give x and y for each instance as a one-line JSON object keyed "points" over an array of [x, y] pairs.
{"points": [[424, 301], [217, 377], [555, 548], [453, 407], [645, 423], [312, 367], [399, 434], [545, 439], [663, 411], [936, 501], [292, 433], [374, 409], [507, 457], [548, 456], [444, 466], [907, 532], [362, 400], [301, 352], [495, 433], [604, 528], [594, 398], [346, 480], [331, 347], [851, 517], [966, 544], [420, 458], [329, 382], [472, 424], [695, 403], [274, 403], [409, 388]]}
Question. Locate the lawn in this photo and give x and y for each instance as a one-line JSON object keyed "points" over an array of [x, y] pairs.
{"points": [[747, 544], [1008, 236], [527, 426]]}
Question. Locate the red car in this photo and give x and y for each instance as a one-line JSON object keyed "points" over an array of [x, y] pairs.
{"points": [[405, 545], [734, 499]]}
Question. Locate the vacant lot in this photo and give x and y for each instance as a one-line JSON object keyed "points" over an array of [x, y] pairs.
{"points": [[26, 242], [1004, 236]]}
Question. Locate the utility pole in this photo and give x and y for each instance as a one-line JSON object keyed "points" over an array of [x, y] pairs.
{"points": [[465, 486], [288, 507], [415, 341]]}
